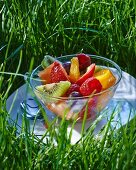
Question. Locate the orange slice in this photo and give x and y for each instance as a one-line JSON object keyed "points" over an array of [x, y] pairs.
{"points": [[45, 74], [74, 70], [106, 78]]}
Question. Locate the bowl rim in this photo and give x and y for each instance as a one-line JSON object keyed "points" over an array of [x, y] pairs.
{"points": [[82, 97]]}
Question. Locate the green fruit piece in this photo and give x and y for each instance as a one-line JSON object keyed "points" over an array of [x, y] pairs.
{"points": [[48, 60], [54, 89], [97, 68]]}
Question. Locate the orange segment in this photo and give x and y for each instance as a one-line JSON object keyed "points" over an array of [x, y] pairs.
{"points": [[106, 78], [45, 74], [74, 70]]}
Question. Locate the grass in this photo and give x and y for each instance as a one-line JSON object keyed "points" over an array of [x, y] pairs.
{"points": [[31, 29]]}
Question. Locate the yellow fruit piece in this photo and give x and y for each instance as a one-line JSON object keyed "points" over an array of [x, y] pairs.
{"points": [[74, 70], [106, 78]]}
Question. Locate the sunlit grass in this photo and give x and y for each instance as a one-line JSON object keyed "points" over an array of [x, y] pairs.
{"points": [[57, 28]]}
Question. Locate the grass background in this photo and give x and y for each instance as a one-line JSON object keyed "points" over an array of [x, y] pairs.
{"points": [[31, 29]]}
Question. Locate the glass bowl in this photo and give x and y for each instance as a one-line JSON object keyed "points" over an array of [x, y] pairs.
{"points": [[78, 107]]}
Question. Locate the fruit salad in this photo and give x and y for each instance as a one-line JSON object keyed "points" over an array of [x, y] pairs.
{"points": [[74, 88]]}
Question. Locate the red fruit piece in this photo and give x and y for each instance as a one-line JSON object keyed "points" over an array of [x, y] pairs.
{"points": [[84, 61], [87, 75], [58, 73], [45, 74], [89, 86], [91, 109], [73, 87]]}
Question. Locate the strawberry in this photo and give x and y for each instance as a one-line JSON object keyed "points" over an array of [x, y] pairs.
{"points": [[89, 86], [58, 73], [91, 109], [84, 61], [73, 87], [88, 74]]}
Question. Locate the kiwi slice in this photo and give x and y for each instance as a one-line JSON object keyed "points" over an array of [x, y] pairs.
{"points": [[54, 89]]}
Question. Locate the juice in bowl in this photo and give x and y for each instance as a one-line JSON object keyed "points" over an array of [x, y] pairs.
{"points": [[75, 85]]}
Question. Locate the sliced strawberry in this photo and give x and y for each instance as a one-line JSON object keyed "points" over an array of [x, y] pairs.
{"points": [[58, 73], [84, 61], [45, 74], [91, 109], [73, 87], [89, 86], [87, 75]]}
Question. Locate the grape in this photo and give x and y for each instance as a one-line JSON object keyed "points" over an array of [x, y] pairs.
{"points": [[75, 94], [66, 66]]}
